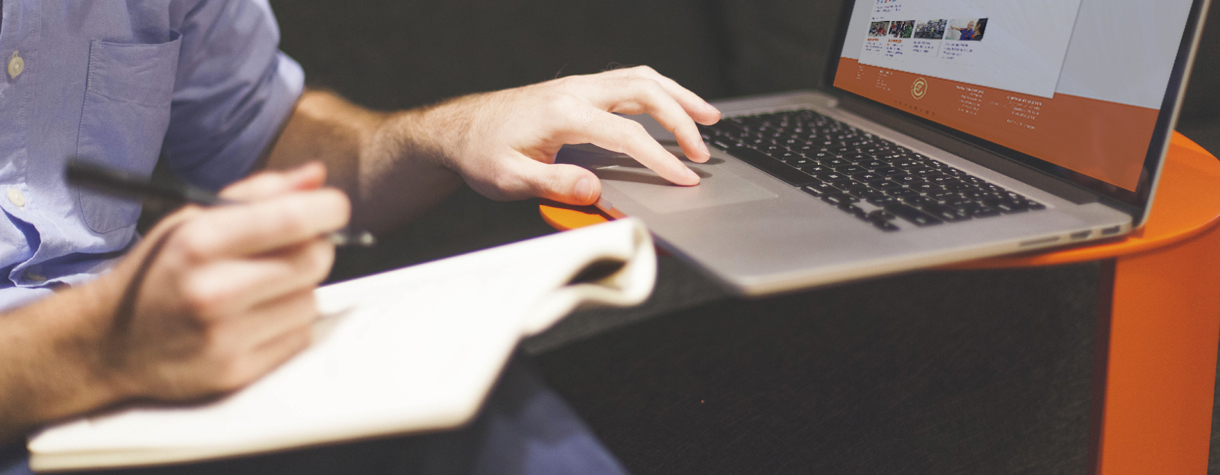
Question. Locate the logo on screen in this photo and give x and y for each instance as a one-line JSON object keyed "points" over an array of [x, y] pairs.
{"points": [[920, 88]]}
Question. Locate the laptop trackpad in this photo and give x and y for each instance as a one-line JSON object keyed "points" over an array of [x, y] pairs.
{"points": [[660, 196]]}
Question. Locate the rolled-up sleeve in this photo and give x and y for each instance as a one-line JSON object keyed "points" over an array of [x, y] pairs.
{"points": [[233, 92]]}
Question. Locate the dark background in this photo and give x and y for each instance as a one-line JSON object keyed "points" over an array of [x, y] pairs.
{"points": [[934, 372]]}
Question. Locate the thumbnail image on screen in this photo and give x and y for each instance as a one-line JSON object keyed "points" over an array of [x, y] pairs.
{"points": [[931, 30], [878, 29], [970, 29], [902, 29]]}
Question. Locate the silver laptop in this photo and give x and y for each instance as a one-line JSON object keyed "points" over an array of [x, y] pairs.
{"points": [[947, 130]]}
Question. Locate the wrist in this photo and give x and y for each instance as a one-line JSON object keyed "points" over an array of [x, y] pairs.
{"points": [[51, 355], [438, 135], [96, 349]]}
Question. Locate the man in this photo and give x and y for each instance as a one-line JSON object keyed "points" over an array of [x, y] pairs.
{"points": [[212, 299], [967, 33]]}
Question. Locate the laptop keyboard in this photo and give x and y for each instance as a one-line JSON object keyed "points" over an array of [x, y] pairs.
{"points": [[875, 180]]}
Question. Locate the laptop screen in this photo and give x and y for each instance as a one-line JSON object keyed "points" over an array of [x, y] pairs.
{"points": [[1077, 83]]}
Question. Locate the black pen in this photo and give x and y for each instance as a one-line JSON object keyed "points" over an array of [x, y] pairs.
{"points": [[124, 184]]}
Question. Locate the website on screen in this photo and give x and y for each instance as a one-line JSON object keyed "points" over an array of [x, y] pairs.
{"points": [[1078, 83]]}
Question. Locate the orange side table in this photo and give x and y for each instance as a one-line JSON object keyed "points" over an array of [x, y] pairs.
{"points": [[1157, 350]]}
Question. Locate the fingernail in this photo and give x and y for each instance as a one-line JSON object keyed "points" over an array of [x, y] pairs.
{"points": [[584, 189], [710, 107], [703, 147], [692, 176]]}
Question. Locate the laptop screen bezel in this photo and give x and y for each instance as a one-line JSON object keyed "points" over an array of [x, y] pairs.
{"points": [[1139, 198]]}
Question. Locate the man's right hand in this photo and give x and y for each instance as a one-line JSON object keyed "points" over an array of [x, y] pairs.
{"points": [[212, 299]]}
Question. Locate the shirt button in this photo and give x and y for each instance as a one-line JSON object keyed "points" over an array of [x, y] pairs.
{"points": [[35, 277], [15, 196], [15, 65]]}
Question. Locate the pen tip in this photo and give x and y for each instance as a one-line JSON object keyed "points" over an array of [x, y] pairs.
{"points": [[353, 238], [366, 239]]}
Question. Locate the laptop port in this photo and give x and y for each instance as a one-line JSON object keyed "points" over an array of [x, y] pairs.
{"points": [[1110, 231], [1080, 235]]}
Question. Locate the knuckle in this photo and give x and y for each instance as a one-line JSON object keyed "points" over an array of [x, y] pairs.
{"points": [[200, 296], [194, 243], [644, 70], [633, 129], [565, 83], [291, 219], [562, 103]]}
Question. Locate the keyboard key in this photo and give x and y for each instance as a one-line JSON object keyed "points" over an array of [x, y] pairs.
{"points": [[912, 215], [830, 176], [815, 169], [867, 177], [880, 215], [840, 199], [1006, 206], [820, 189], [941, 195], [884, 185], [908, 180], [881, 200], [956, 200], [984, 212], [902, 192], [844, 183], [772, 166], [944, 213], [857, 189], [869, 195]]}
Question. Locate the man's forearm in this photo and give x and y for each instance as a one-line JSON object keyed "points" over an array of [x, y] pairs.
{"points": [[49, 363], [385, 161]]}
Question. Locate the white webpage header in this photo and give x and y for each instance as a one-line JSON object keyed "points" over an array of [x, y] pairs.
{"points": [[1015, 45]]}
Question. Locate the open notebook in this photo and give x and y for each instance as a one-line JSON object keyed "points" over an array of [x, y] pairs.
{"points": [[411, 350]]}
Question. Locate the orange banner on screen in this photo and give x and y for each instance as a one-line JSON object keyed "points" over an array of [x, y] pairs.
{"points": [[1104, 140]]}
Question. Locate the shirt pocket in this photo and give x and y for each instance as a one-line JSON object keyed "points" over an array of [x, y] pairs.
{"points": [[124, 120]]}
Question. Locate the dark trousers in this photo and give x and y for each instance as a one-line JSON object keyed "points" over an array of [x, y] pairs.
{"points": [[524, 428]]}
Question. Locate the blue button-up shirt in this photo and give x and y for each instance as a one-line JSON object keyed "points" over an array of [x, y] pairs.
{"points": [[200, 84]]}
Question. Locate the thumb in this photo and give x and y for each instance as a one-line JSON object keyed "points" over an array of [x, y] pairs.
{"points": [[564, 183]]}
